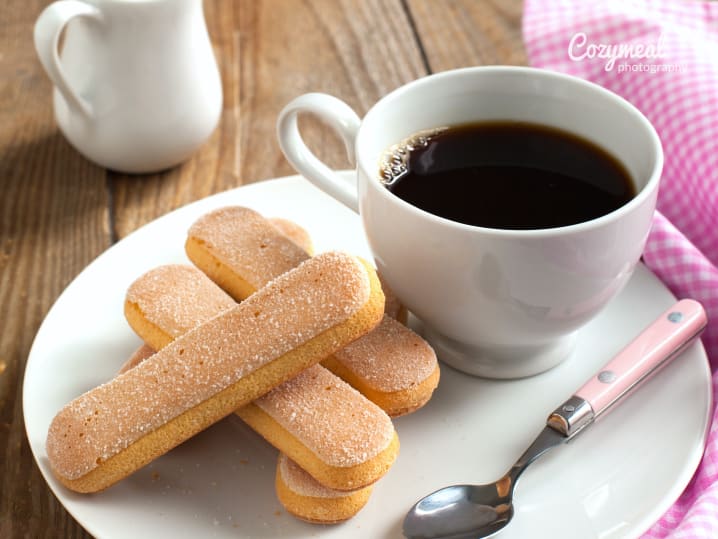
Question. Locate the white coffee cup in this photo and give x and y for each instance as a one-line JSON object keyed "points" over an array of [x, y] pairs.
{"points": [[495, 303]]}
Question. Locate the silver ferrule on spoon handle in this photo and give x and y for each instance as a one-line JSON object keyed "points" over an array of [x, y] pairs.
{"points": [[654, 348], [571, 417]]}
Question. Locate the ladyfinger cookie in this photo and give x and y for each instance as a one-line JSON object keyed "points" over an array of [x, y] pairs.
{"points": [[391, 365], [295, 233], [309, 500], [204, 375], [299, 493], [224, 244], [138, 356], [335, 433], [240, 250], [168, 301], [332, 431]]}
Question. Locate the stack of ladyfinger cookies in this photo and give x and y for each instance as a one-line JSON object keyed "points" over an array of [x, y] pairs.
{"points": [[310, 351]]}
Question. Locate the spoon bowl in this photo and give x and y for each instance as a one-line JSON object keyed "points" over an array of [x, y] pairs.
{"points": [[471, 511], [460, 512]]}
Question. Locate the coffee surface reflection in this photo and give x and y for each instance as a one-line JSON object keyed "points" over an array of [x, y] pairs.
{"points": [[508, 175]]}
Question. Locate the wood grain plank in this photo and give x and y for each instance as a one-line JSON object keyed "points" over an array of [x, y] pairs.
{"points": [[270, 51], [53, 222], [462, 33]]}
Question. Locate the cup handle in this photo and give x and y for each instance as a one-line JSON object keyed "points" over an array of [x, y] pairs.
{"points": [[340, 117], [48, 27]]}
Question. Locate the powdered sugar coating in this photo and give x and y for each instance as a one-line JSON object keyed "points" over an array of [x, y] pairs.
{"points": [[249, 244], [341, 426], [177, 298], [289, 311], [300, 482], [389, 358], [137, 357], [294, 232]]}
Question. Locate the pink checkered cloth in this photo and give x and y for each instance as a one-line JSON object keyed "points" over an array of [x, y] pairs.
{"points": [[662, 55]]}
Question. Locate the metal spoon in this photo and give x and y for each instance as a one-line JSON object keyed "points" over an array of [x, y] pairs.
{"points": [[475, 511]]}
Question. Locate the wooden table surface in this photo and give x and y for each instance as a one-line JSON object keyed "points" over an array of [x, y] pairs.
{"points": [[59, 211]]}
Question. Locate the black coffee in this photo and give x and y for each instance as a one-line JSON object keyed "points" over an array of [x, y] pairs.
{"points": [[506, 175]]}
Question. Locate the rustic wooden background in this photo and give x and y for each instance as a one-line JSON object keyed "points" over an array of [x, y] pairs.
{"points": [[58, 211]]}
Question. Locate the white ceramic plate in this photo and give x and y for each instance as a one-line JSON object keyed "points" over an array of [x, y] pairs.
{"points": [[612, 481]]}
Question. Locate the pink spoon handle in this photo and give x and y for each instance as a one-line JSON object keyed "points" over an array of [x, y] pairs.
{"points": [[660, 342], [645, 355]]}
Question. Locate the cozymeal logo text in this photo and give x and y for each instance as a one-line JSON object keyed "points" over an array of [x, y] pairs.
{"points": [[580, 48]]}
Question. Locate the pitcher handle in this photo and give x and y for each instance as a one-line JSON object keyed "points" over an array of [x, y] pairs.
{"points": [[342, 119], [48, 27]]}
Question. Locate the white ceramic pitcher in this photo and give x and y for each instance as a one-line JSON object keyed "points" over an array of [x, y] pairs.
{"points": [[137, 87]]}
